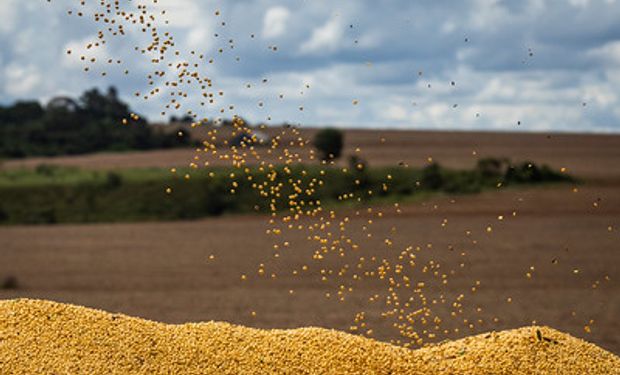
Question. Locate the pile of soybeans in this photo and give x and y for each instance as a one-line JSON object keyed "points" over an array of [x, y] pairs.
{"points": [[41, 337]]}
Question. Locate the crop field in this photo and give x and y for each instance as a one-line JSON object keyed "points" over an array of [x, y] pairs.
{"points": [[585, 155], [191, 271], [545, 255]]}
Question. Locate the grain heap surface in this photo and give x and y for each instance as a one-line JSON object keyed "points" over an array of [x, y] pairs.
{"points": [[41, 337]]}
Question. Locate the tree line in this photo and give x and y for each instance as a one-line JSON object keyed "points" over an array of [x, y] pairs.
{"points": [[67, 126]]}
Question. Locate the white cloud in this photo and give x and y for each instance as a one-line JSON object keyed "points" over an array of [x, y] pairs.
{"points": [[182, 13], [489, 15], [600, 95], [395, 112], [325, 38], [79, 48], [275, 22], [21, 80], [579, 3], [198, 38], [8, 14], [448, 27], [189, 16], [370, 40], [609, 53], [496, 89], [536, 6]]}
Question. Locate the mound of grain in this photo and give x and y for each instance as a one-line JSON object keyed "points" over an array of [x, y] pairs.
{"points": [[40, 337]]}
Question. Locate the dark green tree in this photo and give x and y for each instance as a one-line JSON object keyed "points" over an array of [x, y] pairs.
{"points": [[432, 178], [66, 126], [329, 143]]}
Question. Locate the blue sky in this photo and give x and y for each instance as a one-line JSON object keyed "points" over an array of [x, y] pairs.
{"points": [[482, 64]]}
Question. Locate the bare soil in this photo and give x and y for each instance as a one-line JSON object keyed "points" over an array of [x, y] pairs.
{"points": [[586, 155], [162, 271]]}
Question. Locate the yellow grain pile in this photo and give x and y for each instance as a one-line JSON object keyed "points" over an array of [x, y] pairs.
{"points": [[40, 337]]}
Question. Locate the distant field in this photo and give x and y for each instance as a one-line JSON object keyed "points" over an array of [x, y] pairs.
{"points": [[51, 194], [586, 155]]}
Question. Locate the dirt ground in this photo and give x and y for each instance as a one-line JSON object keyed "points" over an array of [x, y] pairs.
{"points": [[590, 155], [162, 271]]}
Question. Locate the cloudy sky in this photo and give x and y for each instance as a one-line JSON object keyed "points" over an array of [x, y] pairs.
{"points": [[417, 64]]}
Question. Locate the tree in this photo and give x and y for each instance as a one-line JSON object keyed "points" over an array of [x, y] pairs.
{"points": [[67, 126], [329, 143], [492, 167], [432, 178]]}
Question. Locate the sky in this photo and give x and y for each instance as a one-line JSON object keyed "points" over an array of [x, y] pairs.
{"points": [[530, 65]]}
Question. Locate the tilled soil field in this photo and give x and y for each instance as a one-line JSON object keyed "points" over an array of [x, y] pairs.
{"points": [[585, 155], [163, 271]]}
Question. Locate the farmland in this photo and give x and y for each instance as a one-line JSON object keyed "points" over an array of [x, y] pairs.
{"points": [[585, 155], [164, 270]]}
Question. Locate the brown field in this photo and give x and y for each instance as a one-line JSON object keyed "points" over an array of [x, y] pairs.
{"points": [[161, 271], [589, 155]]}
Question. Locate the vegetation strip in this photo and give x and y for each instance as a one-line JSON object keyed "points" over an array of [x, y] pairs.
{"points": [[51, 194]]}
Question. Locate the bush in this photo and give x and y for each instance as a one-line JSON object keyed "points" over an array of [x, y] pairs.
{"points": [[491, 167], [528, 172], [463, 182], [45, 169], [432, 178], [113, 180], [329, 143], [4, 216], [357, 164], [72, 195], [9, 282]]}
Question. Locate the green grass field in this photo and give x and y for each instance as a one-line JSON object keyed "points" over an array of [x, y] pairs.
{"points": [[51, 194]]}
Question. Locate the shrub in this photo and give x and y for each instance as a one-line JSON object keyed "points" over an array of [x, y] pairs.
{"points": [[113, 180], [462, 182], [528, 172], [329, 143], [73, 196], [45, 169], [357, 164], [9, 282], [491, 167], [432, 178]]}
